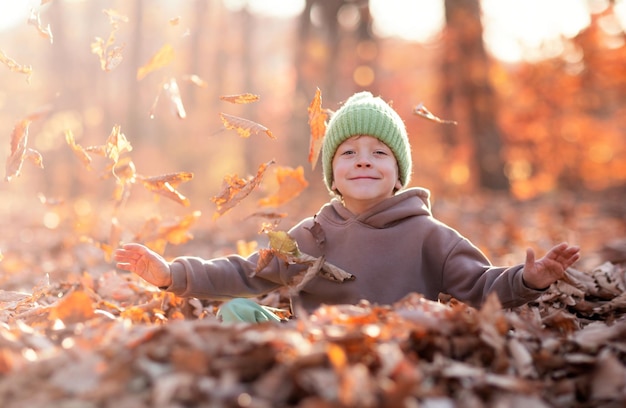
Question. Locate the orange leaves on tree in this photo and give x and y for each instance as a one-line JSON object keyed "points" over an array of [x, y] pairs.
{"points": [[19, 149], [421, 110], [161, 58], [291, 183], [236, 189], [244, 127], [34, 20], [241, 98], [110, 55], [317, 124], [166, 184], [15, 67]]}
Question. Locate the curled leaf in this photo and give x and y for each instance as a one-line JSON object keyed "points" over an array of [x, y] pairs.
{"points": [[165, 185], [244, 127], [236, 189], [15, 67], [422, 111]]}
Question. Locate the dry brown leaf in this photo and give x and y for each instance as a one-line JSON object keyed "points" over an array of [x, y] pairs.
{"points": [[166, 184], [422, 111], [291, 183], [78, 150], [15, 67], [317, 124], [20, 151], [240, 98], [236, 189], [160, 59], [34, 20], [244, 127], [109, 54]]}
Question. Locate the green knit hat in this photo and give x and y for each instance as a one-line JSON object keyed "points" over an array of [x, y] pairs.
{"points": [[364, 114]]}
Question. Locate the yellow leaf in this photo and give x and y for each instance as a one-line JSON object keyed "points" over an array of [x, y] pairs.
{"points": [[162, 57]]}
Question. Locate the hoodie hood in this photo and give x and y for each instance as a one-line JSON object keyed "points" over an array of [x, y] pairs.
{"points": [[408, 203]]}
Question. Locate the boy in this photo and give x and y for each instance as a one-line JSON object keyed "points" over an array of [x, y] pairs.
{"points": [[387, 239]]}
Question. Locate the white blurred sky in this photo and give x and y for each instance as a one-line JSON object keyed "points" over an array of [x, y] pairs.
{"points": [[511, 26]]}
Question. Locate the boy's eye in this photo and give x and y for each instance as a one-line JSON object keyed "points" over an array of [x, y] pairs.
{"points": [[347, 152], [380, 152]]}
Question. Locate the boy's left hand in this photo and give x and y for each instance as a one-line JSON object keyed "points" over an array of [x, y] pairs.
{"points": [[544, 272]]}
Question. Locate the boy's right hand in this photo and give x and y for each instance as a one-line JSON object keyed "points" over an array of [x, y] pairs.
{"points": [[144, 262]]}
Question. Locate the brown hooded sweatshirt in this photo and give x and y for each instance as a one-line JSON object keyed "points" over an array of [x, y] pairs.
{"points": [[393, 249]]}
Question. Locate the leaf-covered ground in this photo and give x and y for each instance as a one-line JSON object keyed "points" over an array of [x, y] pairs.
{"points": [[86, 335]]}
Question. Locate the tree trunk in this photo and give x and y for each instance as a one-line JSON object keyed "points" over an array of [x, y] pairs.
{"points": [[468, 93]]}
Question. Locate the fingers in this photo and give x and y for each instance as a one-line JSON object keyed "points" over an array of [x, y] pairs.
{"points": [[530, 259]]}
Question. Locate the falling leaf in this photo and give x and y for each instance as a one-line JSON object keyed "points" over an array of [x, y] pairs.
{"points": [[290, 184], [166, 184], [174, 21], [78, 150], [241, 98], [196, 80], [173, 95], [15, 67], [161, 58], [236, 189], [19, 150], [34, 20], [116, 144], [317, 124], [244, 127], [110, 55], [283, 244], [422, 111]]}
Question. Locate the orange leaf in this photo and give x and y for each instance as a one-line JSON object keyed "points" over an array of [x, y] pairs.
{"points": [[236, 189], [241, 98], [162, 57], [178, 233], [290, 184], [317, 123], [244, 127], [19, 151], [165, 185], [73, 308], [34, 20], [78, 150], [15, 67]]}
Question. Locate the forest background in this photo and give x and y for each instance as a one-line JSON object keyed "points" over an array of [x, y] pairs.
{"points": [[537, 154]]}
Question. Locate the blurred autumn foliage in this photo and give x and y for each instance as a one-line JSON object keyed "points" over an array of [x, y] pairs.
{"points": [[194, 126]]}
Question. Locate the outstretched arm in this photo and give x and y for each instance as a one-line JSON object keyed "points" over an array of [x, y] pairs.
{"points": [[139, 259], [542, 273]]}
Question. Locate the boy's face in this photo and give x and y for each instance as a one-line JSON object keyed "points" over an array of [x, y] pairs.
{"points": [[365, 172]]}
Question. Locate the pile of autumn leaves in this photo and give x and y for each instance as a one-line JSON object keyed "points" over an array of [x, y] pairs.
{"points": [[113, 342]]}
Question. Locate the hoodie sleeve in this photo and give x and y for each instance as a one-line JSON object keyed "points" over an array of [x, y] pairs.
{"points": [[469, 276], [226, 278]]}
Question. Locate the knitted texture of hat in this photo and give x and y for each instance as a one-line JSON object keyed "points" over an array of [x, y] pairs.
{"points": [[364, 114]]}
